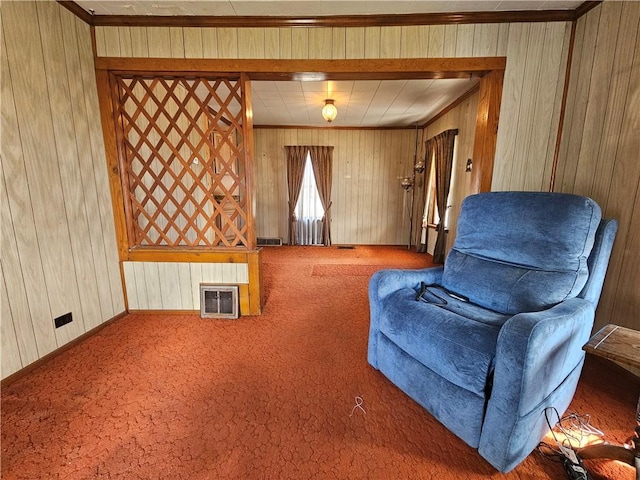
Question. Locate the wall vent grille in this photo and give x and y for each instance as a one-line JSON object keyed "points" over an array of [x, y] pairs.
{"points": [[269, 242], [218, 301]]}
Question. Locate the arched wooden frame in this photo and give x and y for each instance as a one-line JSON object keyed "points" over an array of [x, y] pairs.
{"points": [[490, 70]]}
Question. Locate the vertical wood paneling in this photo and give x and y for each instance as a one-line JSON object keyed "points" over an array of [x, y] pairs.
{"points": [[252, 41], [139, 42], [584, 55], [193, 43], [355, 42], [176, 39], [597, 97], [436, 41], [320, 43], [39, 153], [464, 40], [619, 89], [390, 42], [174, 285], [20, 257], [140, 285], [69, 168], [300, 43], [58, 242], [511, 96], [10, 355], [104, 213], [159, 41], [209, 43], [366, 193], [112, 41], [372, 42], [450, 40], [271, 43], [599, 154], [124, 35]]}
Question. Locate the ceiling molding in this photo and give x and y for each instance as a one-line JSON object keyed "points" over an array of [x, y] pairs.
{"points": [[330, 21], [584, 8], [77, 10]]}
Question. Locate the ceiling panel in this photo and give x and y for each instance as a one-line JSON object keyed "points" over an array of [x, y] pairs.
{"points": [[360, 103]]}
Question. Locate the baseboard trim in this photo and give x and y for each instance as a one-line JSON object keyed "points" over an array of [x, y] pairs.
{"points": [[41, 361]]}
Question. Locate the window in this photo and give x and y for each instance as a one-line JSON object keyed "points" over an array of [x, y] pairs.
{"points": [[309, 211]]}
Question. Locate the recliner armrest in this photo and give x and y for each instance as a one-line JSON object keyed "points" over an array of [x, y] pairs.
{"points": [[538, 360], [536, 351], [384, 283]]}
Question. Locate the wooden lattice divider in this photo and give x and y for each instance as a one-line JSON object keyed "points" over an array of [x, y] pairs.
{"points": [[182, 159]]}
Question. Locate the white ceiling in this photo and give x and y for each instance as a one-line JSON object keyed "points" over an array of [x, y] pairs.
{"points": [[367, 103], [360, 103], [313, 7]]}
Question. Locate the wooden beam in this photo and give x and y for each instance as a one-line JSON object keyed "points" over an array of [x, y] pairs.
{"points": [[248, 148], [113, 166], [484, 147], [256, 283], [189, 255], [342, 21], [357, 69]]}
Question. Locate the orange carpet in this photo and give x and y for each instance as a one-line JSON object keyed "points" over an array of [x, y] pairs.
{"points": [[269, 397]]}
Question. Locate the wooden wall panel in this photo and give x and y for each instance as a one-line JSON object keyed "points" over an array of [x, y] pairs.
{"points": [[600, 143], [368, 202], [174, 285], [58, 242]]}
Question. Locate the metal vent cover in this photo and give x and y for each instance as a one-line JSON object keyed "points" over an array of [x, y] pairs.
{"points": [[267, 242], [218, 301]]}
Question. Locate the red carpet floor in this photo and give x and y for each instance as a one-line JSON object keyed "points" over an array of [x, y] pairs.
{"points": [[269, 397]]}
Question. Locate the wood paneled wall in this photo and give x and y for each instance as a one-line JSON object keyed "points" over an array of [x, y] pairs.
{"points": [[58, 243], [369, 205], [601, 141], [176, 286], [533, 85], [462, 117]]}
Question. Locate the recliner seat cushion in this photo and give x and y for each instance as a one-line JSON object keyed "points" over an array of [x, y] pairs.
{"points": [[457, 348], [504, 264]]}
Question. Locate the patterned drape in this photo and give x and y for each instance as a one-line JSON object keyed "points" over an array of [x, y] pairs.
{"points": [[322, 162]]}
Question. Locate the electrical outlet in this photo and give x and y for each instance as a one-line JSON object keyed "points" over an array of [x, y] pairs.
{"points": [[63, 320]]}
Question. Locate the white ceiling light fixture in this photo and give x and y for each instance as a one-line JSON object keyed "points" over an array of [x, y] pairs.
{"points": [[329, 111]]}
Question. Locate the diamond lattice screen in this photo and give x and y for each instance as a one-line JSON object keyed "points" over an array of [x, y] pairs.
{"points": [[182, 156]]}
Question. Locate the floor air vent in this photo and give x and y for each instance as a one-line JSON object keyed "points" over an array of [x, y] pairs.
{"points": [[218, 301], [269, 242]]}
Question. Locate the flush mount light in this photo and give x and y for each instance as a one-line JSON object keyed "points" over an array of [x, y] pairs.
{"points": [[329, 111]]}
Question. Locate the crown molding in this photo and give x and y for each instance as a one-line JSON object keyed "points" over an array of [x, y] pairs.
{"points": [[330, 21]]}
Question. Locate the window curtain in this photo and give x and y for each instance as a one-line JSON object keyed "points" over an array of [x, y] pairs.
{"points": [[443, 148], [322, 162], [422, 198], [296, 157]]}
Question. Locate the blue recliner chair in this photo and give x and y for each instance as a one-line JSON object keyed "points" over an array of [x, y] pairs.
{"points": [[489, 341]]}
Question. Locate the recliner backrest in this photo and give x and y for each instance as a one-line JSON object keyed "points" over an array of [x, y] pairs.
{"points": [[521, 251]]}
